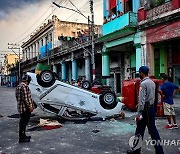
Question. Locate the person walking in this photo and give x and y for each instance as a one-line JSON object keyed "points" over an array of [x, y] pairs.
{"points": [[146, 111], [25, 106], [167, 91]]}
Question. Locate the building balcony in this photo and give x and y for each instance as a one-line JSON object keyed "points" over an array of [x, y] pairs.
{"points": [[159, 14], [120, 26]]}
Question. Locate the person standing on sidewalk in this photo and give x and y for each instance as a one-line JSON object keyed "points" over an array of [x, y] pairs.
{"points": [[25, 106], [146, 111], [167, 91]]}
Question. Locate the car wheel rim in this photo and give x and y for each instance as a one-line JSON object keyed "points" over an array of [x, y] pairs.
{"points": [[46, 77], [108, 98], [86, 85]]}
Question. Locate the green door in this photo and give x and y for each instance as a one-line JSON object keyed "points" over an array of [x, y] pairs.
{"points": [[156, 63]]}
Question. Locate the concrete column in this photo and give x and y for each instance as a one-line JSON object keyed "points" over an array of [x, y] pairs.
{"points": [[34, 50], [37, 49], [55, 68], [29, 53], [23, 56], [150, 58], [105, 64], [26, 53], [88, 68], [139, 56], [53, 45], [74, 70], [127, 74], [45, 45], [64, 71], [40, 46], [44, 40], [40, 43]]}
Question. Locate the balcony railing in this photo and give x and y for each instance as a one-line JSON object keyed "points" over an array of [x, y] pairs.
{"points": [[58, 51], [127, 20], [158, 10]]}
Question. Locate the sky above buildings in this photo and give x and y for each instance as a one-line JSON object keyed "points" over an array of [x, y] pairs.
{"points": [[20, 18]]}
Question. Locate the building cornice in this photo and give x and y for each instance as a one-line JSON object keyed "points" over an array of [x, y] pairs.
{"points": [[160, 19]]}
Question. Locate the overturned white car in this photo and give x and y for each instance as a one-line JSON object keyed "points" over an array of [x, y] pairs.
{"points": [[71, 102]]}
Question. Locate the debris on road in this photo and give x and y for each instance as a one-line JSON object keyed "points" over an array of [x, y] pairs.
{"points": [[95, 131], [46, 124], [49, 124]]}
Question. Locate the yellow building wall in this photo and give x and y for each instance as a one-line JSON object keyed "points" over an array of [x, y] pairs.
{"points": [[12, 59]]}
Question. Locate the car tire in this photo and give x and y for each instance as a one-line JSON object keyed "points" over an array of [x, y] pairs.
{"points": [[108, 100], [46, 78], [86, 84]]}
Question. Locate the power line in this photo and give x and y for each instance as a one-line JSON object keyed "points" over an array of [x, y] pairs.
{"points": [[84, 8], [62, 1], [34, 24], [69, 9], [36, 28], [76, 14], [76, 7], [60, 10]]}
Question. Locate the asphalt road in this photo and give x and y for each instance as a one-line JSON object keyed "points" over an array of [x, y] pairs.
{"points": [[92, 137]]}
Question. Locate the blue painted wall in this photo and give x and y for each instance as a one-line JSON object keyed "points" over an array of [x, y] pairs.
{"points": [[44, 49], [104, 8], [120, 22], [64, 71], [119, 6], [136, 5], [12, 78]]}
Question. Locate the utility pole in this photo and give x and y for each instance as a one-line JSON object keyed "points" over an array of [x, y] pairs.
{"points": [[14, 46], [92, 39], [92, 29]]}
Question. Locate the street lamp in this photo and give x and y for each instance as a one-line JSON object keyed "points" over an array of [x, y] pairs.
{"points": [[92, 31]]}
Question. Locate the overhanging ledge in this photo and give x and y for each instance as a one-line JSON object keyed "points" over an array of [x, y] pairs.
{"points": [[118, 34]]}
